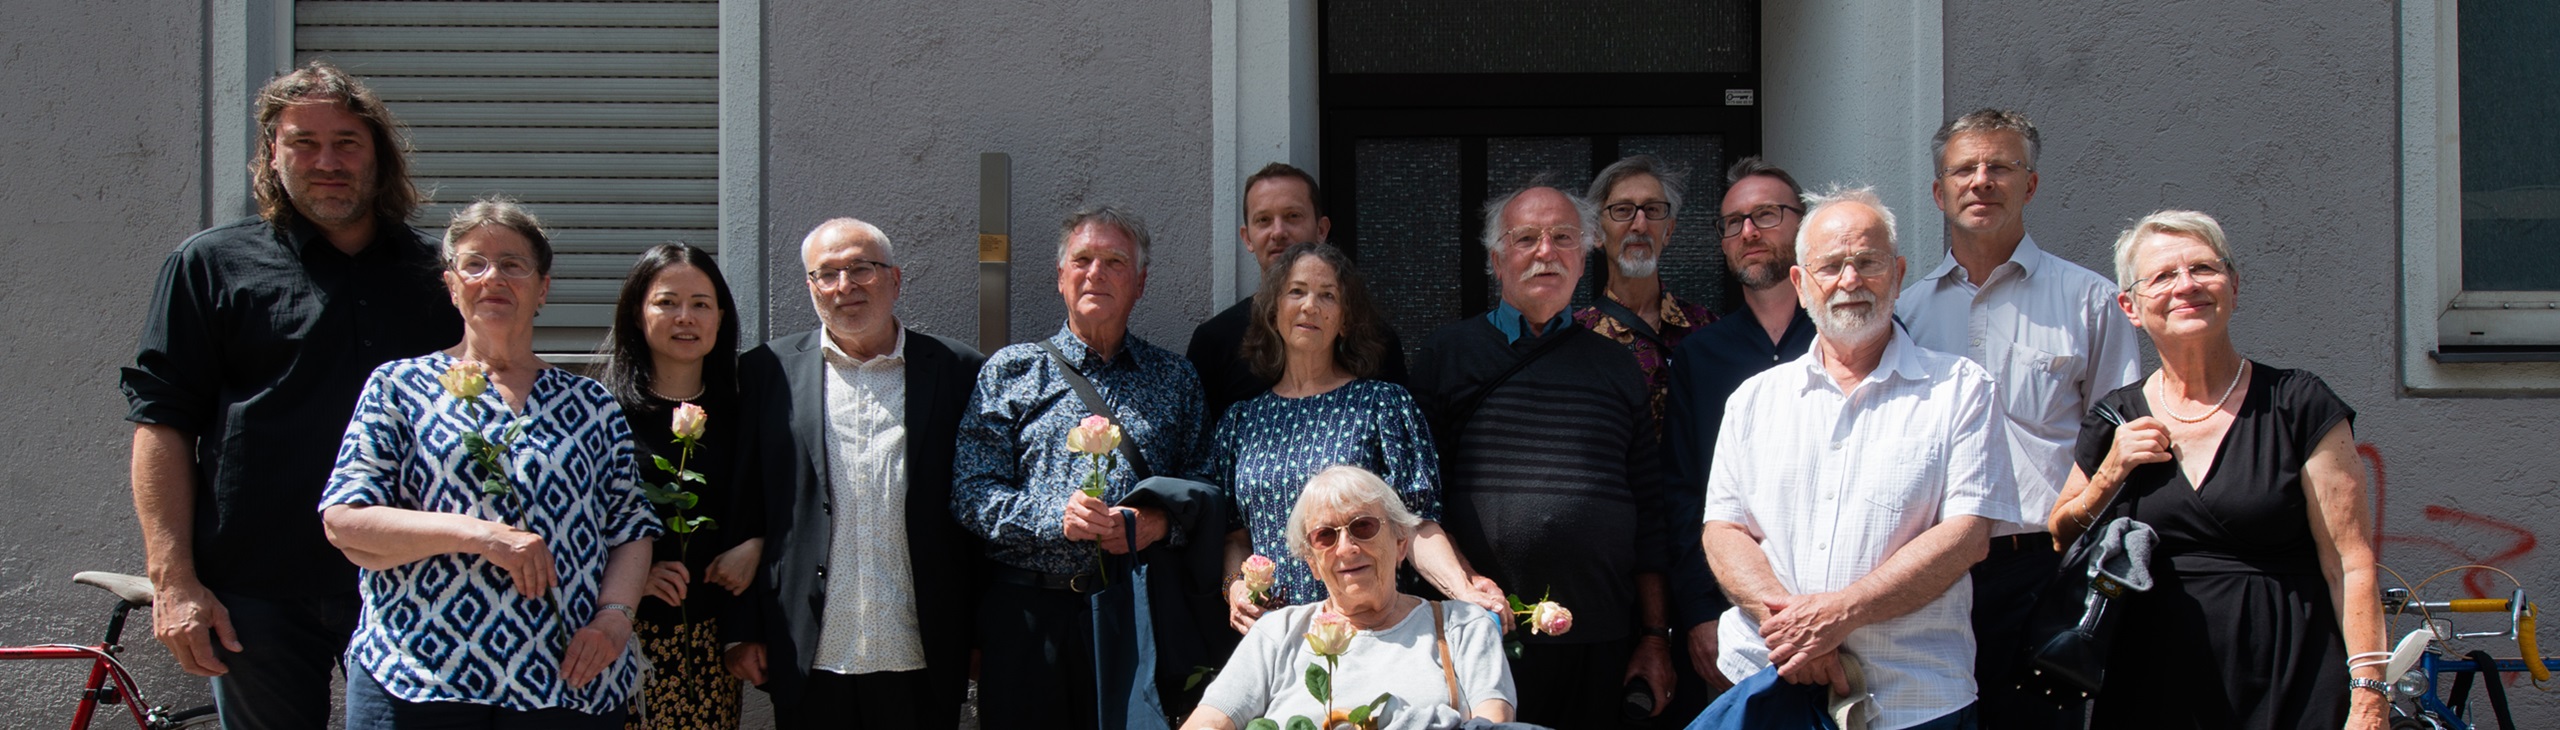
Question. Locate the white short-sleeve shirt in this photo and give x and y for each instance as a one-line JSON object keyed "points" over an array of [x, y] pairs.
{"points": [[2052, 338], [1831, 484]]}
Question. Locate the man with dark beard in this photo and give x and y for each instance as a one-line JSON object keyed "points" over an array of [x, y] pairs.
{"points": [[1762, 208], [1853, 488], [1639, 199]]}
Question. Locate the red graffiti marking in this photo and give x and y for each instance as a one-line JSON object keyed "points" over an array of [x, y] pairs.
{"points": [[2475, 581]]}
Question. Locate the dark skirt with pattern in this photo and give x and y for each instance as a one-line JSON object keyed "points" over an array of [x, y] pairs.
{"points": [[688, 689]]}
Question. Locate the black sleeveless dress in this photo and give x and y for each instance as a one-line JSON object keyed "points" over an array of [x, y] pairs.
{"points": [[2238, 631]]}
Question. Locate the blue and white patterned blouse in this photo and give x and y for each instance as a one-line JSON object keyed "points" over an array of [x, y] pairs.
{"points": [[1012, 472], [452, 628], [1267, 447]]}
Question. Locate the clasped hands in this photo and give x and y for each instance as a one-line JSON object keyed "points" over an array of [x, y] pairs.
{"points": [[1089, 519], [1804, 633]]}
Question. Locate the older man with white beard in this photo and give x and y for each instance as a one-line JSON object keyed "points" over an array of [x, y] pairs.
{"points": [[1852, 488], [1639, 199]]}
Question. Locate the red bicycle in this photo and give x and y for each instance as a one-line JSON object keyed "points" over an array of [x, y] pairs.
{"points": [[109, 684]]}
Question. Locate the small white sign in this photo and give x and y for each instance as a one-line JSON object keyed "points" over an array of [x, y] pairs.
{"points": [[1737, 97]]}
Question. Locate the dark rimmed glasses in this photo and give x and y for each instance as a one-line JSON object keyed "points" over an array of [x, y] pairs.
{"points": [[863, 272]]}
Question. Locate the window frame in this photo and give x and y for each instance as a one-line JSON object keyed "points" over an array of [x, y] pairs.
{"points": [[2454, 342]]}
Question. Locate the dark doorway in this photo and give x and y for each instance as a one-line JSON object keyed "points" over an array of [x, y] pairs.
{"points": [[1430, 107]]}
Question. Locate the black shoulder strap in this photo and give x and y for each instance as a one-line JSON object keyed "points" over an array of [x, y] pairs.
{"points": [[1627, 317], [1093, 403], [1458, 417]]}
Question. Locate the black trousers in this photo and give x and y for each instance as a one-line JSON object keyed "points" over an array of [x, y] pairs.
{"points": [[1036, 663], [1574, 686], [282, 681], [2005, 587], [893, 700]]}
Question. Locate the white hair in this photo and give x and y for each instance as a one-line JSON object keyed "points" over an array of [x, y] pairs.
{"points": [[2173, 223], [1586, 217], [888, 252], [1864, 195], [1347, 489]]}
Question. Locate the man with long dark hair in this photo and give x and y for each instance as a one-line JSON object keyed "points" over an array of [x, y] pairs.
{"points": [[259, 336]]}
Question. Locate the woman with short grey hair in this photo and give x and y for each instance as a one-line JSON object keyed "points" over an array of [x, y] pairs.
{"points": [[1353, 530]]}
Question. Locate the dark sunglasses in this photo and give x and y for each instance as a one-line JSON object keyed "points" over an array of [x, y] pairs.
{"points": [[1361, 528]]}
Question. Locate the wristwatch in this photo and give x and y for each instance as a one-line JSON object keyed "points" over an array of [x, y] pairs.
{"points": [[1661, 631], [626, 610], [2379, 686]]}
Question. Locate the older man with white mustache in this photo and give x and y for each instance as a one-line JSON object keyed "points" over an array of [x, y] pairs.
{"points": [[1852, 488], [1547, 450]]}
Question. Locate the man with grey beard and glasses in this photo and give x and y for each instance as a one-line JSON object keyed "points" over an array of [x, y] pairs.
{"points": [[1639, 199], [1851, 490]]}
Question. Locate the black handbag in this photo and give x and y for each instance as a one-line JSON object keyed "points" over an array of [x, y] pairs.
{"points": [[2076, 618]]}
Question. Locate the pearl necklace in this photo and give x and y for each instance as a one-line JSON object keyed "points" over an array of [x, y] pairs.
{"points": [[697, 393], [2165, 406]]}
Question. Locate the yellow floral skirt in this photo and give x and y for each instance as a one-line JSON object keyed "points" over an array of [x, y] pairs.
{"points": [[688, 689]]}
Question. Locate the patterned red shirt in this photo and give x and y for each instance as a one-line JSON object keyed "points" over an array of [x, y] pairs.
{"points": [[1653, 349]]}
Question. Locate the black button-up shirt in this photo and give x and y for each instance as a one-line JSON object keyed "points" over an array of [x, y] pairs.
{"points": [[257, 343], [1705, 370]]}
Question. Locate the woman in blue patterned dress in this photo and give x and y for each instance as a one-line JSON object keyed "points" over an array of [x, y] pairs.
{"points": [[1317, 334], [501, 536]]}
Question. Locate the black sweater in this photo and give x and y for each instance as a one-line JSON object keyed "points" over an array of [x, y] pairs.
{"points": [[1551, 486]]}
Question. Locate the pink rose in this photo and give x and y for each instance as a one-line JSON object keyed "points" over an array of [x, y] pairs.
{"points": [[1550, 618], [1095, 435], [466, 379], [1330, 634], [1257, 574], [690, 420]]}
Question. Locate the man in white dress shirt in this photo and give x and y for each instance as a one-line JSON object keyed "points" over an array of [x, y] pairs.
{"points": [[2049, 333], [859, 615], [1852, 488]]}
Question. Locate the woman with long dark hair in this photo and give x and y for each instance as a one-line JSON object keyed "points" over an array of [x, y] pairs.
{"points": [[674, 343]]}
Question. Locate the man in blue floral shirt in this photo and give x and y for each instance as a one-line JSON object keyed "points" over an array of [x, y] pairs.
{"points": [[1018, 484]]}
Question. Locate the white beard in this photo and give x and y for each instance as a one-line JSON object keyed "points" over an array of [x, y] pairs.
{"points": [[1852, 328], [1637, 267]]}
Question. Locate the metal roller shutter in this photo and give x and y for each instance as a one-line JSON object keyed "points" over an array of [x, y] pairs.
{"points": [[602, 117]]}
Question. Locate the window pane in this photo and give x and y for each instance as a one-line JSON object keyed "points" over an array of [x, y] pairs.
{"points": [[1542, 36], [2510, 156], [1407, 204]]}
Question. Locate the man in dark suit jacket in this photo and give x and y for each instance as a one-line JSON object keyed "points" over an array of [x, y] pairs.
{"points": [[862, 604]]}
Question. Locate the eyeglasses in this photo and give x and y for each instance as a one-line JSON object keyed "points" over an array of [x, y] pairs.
{"points": [[2205, 273], [1363, 527], [1528, 237], [1764, 218], [1627, 211], [1997, 169], [476, 267], [1868, 266], [863, 272]]}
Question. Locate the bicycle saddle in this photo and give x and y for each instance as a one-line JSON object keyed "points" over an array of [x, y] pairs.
{"points": [[133, 589]]}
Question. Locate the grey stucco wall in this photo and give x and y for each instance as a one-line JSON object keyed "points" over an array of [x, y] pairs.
{"points": [[101, 143], [2280, 119], [880, 110]]}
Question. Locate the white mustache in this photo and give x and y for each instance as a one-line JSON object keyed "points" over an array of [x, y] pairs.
{"points": [[1851, 297], [1540, 267]]}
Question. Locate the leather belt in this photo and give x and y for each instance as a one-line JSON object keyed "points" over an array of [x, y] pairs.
{"points": [[2013, 543], [1070, 582]]}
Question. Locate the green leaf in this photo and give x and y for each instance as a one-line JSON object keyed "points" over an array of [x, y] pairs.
{"points": [[1262, 723], [494, 485], [663, 464], [679, 527], [702, 523], [1320, 683], [516, 430], [1358, 715], [1200, 674], [657, 494], [686, 500], [473, 442], [1300, 722], [692, 476]]}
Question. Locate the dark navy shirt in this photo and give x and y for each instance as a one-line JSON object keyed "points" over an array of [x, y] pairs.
{"points": [[1268, 447], [1012, 471], [1705, 370], [256, 343]]}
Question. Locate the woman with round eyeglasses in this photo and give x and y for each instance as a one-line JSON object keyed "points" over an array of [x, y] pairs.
{"points": [[1352, 530], [2263, 611], [1316, 334], [489, 501], [674, 342]]}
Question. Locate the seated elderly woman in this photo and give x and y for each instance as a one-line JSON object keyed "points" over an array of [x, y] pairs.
{"points": [[1442, 661], [490, 500]]}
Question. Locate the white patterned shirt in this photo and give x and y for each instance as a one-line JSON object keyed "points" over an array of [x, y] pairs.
{"points": [[870, 622], [451, 627], [1831, 484], [2053, 339]]}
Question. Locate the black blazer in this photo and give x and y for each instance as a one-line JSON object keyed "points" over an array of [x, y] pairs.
{"points": [[783, 451]]}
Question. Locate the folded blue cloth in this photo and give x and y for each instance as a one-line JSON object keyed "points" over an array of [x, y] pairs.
{"points": [[1762, 701]]}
